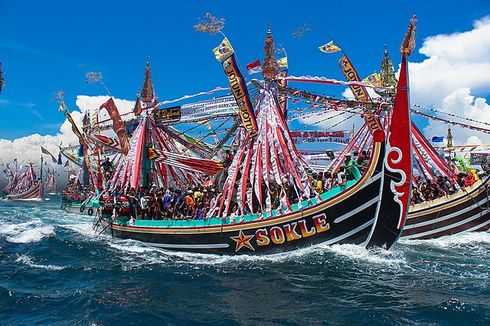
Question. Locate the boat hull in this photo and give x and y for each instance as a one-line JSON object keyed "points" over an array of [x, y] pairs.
{"points": [[349, 217], [80, 209], [466, 211], [33, 193]]}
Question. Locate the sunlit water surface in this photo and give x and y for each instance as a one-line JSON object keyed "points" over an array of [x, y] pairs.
{"points": [[55, 270]]}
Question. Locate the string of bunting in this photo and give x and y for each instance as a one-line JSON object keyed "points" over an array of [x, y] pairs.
{"points": [[185, 97], [451, 114], [325, 80], [328, 118], [334, 102], [454, 123]]}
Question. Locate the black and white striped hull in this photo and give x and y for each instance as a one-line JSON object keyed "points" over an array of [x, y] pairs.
{"points": [[467, 211]]}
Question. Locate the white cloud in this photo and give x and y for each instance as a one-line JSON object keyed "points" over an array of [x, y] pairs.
{"points": [[27, 149], [461, 103], [457, 68]]}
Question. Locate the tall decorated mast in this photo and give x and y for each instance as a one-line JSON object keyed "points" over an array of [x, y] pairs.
{"points": [[270, 68], [147, 92], [387, 75], [149, 99]]}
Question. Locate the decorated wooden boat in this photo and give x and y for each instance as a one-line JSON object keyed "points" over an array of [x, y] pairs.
{"points": [[27, 186], [465, 211], [86, 208], [34, 192], [370, 211]]}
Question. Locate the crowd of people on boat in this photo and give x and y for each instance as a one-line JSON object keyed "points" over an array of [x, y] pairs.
{"points": [[200, 202], [442, 186]]}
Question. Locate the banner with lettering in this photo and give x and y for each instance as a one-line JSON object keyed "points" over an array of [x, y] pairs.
{"points": [[167, 115], [361, 94], [240, 93], [320, 136]]}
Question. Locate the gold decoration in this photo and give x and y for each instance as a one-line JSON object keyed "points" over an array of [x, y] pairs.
{"points": [[300, 31], [210, 24]]}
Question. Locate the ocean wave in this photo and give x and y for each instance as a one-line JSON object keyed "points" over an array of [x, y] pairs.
{"points": [[83, 229], [451, 241], [141, 253], [377, 256], [27, 232], [155, 255], [28, 261]]}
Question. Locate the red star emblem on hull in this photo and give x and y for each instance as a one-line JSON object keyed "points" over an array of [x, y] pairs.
{"points": [[243, 240]]}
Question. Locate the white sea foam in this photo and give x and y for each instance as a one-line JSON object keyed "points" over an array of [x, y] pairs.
{"points": [[130, 246], [456, 240], [28, 261], [372, 256], [27, 232], [84, 229], [153, 255]]}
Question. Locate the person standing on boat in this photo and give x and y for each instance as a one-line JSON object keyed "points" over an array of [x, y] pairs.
{"points": [[351, 170], [133, 203], [189, 204], [319, 184], [145, 205], [341, 178], [107, 167]]}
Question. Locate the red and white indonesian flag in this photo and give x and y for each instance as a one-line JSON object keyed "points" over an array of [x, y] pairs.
{"points": [[254, 67]]}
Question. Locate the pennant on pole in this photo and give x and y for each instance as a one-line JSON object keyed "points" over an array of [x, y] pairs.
{"points": [[408, 43], [329, 48], [283, 62], [117, 124], [223, 50], [45, 151]]}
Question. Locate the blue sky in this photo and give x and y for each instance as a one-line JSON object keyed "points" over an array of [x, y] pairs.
{"points": [[50, 45]]}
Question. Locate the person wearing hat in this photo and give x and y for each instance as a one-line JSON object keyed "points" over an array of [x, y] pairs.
{"points": [[351, 169]]}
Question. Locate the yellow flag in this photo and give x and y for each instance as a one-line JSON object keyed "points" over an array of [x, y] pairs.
{"points": [[283, 62], [373, 79], [62, 106], [329, 48], [223, 50]]}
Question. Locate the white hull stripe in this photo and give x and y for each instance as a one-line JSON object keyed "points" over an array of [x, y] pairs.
{"points": [[443, 218], [189, 246], [348, 234], [357, 210], [444, 228], [371, 180], [478, 226]]}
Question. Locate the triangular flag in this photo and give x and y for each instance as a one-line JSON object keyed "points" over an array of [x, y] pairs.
{"points": [[283, 62], [329, 48]]}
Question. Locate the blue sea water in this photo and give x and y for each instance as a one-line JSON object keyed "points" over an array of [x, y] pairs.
{"points": [[55, 270]]}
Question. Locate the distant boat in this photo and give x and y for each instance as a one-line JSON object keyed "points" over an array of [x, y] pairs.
{"points": [[27, 186]]}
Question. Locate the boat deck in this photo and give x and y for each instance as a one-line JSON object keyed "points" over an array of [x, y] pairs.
{"points": [[185, 223]]}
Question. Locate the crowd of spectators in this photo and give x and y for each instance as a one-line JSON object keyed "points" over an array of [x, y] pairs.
{"points": [[201, 202], [442, 186]]}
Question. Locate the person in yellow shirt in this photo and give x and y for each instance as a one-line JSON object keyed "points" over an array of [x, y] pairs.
{"points": [[319, 184]]}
